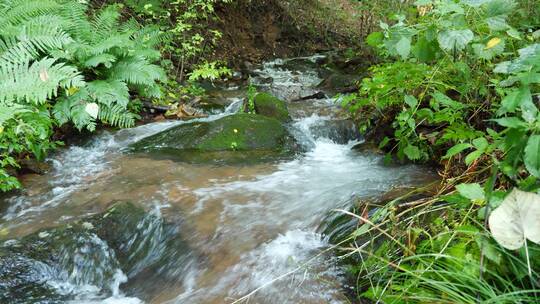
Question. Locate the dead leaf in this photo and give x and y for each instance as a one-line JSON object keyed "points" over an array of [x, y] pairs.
{"points": [[92, 109], [516, 220], [43, 75]]}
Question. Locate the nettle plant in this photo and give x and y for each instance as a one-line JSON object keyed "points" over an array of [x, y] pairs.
{"points": [[58, 66], [442, 89]]}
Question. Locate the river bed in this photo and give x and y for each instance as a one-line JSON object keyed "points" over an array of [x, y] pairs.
{"points": [[251, 227]]}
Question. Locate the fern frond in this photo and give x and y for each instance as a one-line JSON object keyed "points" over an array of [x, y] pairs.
{"points": [[81, 119], [109, 92], [105, 23], [137, 71], [78, 25], [150, 36], [13, 12], [30, 40], [72, 108], [38, 82], [11, 110], [106, 59], [117, 116], [150, 91], [121, 41], [130, 26], [149, 53]]}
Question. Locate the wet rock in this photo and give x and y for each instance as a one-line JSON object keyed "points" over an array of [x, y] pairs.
{"points": [[340, 131], [31, 165], [52, 265], [237, 132], [368, 147], [340, 83], [318, 95], [22, 281], [270, 106], [210, 107]]}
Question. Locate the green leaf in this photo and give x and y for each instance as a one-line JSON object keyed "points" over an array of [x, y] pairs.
{"points": [[480, 143], [469, 159], [456, 150], [375, 39], [516, 98], [489, 250], [512, 32], [473, 191], [532, 155], [511, 122], [384, 142], [529, 111], [425, 50], [486, 52], [528, 56], [451, 40], [497, 23], [411, 101], [412, 152], [403, 47]]}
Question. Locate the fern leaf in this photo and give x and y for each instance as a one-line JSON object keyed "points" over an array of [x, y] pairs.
{"points": [[38, 82], [30, 41], [109, 92], [106, 59], [13, 12], [117, 116], [9, 111], [137, 71]]}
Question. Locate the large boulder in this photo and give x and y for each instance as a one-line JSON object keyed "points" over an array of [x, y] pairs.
{"points": [[238, 132], [268, 105]]}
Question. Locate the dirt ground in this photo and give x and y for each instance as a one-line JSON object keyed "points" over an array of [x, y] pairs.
{"points": [[257, 30]]}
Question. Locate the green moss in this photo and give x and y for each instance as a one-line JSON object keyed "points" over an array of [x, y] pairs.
{"points": [[270, 106], [238, 132]]}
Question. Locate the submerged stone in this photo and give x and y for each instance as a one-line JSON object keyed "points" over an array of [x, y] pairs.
{"points": [[340, 131], [233, 133], [268, 105], [49, 266]]}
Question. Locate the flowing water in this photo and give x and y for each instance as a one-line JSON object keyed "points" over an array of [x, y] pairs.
{"points": [[248, 229]]}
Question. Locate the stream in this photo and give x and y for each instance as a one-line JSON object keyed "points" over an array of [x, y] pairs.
{"points": [[247, 228]]}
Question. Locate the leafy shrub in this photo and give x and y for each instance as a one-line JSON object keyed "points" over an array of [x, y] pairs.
{"points": [[443, 85], [58, 66], [459, 86], [189, 36]]}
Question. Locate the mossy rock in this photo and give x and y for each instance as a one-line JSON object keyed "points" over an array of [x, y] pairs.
{"points": [[270, 106], [238, 132]]}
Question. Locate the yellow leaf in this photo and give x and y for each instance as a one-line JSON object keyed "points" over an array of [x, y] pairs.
{"points": [[72, 90], [493, 43]]}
